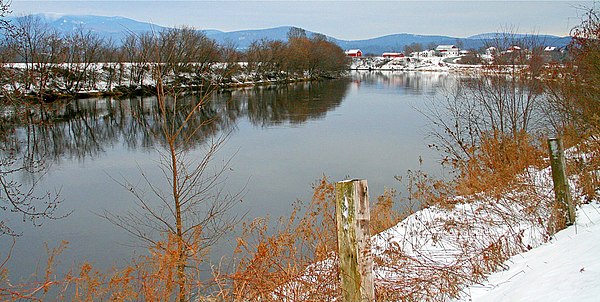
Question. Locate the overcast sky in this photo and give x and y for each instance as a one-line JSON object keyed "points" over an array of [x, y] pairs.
{"points": [[349, 20]]}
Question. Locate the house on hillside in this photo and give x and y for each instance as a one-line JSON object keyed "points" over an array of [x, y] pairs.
{"points": [[353, 53], [513, 48], [423, 54], [393, 55], [447, 50], [553, 54], [491, 51]]}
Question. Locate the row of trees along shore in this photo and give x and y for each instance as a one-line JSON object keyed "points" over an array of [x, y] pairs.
{"points": [[40, 62]]}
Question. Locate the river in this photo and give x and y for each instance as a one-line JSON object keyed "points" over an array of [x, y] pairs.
{"points": [[281, 140]]}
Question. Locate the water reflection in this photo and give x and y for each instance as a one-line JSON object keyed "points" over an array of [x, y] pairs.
{"points": [[293, 104], [417, 83], [83, 129]]}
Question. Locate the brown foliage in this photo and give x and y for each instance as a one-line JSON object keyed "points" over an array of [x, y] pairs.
{"points": [[271, 260], [299, 57], [497, 161], [579, 98], [383, 214], [148, 278], [298, 260]]}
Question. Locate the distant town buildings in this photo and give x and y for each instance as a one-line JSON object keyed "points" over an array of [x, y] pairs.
{"points": [[452, 53], [428, 53]]}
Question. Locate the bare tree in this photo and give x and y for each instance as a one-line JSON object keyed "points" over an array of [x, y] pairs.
{"points": [[503, 101], [16, 159], [5, 10], [5, 52], [193, 211], [315, 57], [296, 33], [413, 47], [326, 59], [266, 57], [81, 51], [184, 51], [113, 65], [39, 49], [230, 58], [136, 50], [488, 126]]}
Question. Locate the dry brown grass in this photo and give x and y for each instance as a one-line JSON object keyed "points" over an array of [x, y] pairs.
{"points": [[146, 278], [497, 162], [297, 262], [383, 213], [438, 250], [269, 260]]}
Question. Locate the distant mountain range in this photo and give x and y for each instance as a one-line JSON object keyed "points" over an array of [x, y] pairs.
{"points": [[116, 28]]}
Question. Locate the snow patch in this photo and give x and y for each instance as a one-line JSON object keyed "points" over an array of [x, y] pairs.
{"points": [[564, 269]]}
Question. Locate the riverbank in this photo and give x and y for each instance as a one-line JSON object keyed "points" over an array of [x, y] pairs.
{"points": [[52, 82], [443, 252], [131, 79]]}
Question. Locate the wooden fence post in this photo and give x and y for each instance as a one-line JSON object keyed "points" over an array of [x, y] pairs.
{"points": [[562, 192], [356, 261]]}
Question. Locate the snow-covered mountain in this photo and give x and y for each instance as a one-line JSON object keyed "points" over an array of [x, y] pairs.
{"points": [[116, 28]]}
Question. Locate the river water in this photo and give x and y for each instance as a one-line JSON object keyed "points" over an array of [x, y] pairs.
{"points": [[281, 141]]}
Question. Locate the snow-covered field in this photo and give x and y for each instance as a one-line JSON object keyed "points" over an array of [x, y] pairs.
{"points": [[425, 63], [566, 268]]}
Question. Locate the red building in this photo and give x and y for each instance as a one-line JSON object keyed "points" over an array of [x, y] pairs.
{"points": [[393, 55], [354, 53]]}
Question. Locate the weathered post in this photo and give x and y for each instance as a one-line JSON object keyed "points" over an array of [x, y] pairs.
{"points": [[559, 177], [356, 262]]}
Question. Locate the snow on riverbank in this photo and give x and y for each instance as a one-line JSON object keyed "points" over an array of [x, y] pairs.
{"points": [[472, 239], [433, 254], [565, 269], [439, 253]]}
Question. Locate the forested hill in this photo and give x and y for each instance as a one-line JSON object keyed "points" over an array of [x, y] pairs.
{"points": [[116, 28]]}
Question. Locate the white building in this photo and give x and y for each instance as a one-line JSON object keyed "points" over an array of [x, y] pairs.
{"points": [[491, 51], [424, 54], [447, 50]]}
